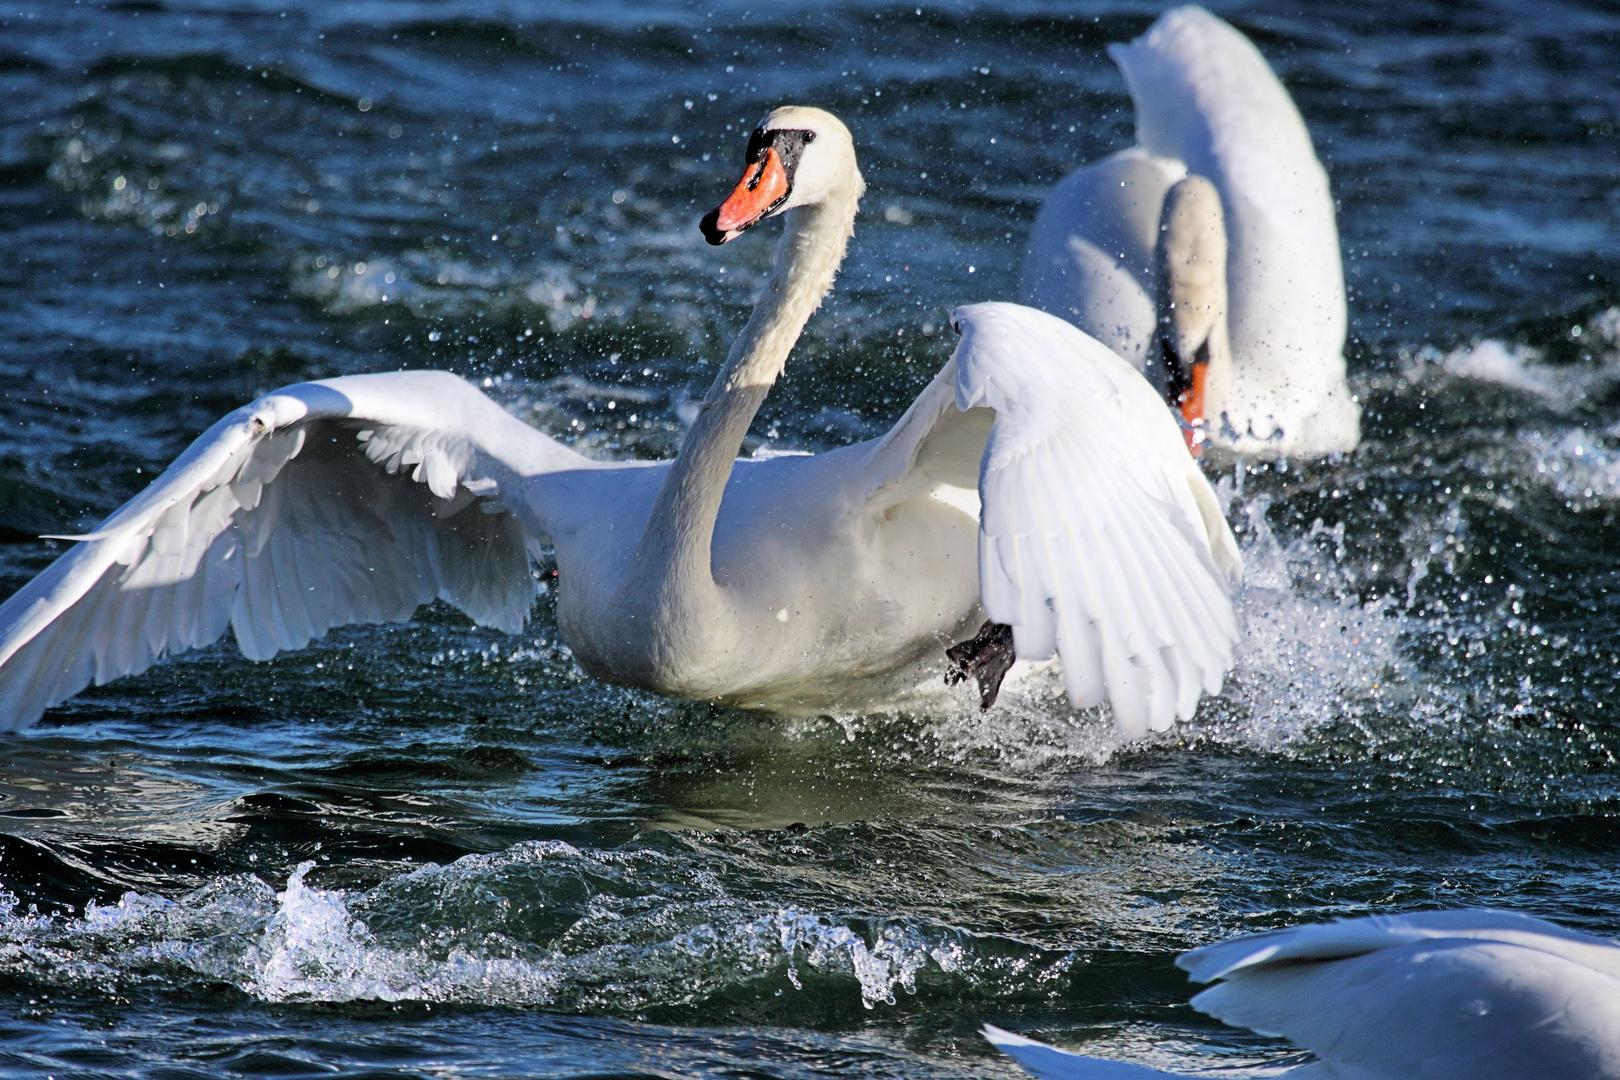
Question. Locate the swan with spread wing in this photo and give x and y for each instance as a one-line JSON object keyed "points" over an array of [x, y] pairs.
{"points": [[1207, 255], [1432, 995], [1037, 488]]}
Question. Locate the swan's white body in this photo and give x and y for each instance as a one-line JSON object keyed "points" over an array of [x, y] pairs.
{"points": [[1208, 104], [1439, 995], [1037, 480]]}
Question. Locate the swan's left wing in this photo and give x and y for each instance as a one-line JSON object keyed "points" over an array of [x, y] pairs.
{"points": [[1099, 539], [347, 500]]}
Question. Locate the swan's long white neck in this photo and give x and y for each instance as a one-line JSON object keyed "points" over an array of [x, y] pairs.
{"points": [[1191, 268], [672, 575]]}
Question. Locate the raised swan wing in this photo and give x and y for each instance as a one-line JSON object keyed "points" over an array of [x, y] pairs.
{"points": [[1099, 539], [348, 500]]}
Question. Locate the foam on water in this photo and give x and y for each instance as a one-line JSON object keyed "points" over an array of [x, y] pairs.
{"points": [[314, 949], [1506, 365], [1523, 368]]}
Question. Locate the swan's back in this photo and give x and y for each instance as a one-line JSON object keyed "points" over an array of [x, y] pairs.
{"points": [[1090, 257], [1204, 94]]}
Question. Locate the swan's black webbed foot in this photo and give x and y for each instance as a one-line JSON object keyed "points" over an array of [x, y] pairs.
{"points": [[986, 658]]}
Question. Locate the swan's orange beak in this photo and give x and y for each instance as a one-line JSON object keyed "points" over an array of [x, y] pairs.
{"points": [[1184, 391], [1190, 403], [763, 188]]}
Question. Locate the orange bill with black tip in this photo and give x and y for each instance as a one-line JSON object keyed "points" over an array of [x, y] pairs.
{"points": [[763, 187], [1190, 403]]}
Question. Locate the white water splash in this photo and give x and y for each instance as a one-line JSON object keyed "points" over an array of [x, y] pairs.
{"points": [[1310, 651], [314, 949], [658, 931], [1579, 464], [1493, 361], [1310, 646]]}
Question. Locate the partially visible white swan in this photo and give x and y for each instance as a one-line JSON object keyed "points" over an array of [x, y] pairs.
{"points": [[1251, 347], [1435, 995], [1037, 482]]}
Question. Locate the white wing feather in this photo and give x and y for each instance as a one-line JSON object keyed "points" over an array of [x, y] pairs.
{"points": [[343, 501], [1100, 541], [1441, 995], [1354, 937], [1050, 1063]]}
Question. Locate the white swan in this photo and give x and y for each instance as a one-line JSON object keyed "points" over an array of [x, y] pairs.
{"points": [[1436, 995], [1233, 306], [796, 583]]}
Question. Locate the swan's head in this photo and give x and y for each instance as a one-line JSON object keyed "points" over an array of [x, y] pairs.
{"points": [[1191, 271], [797, 156]]}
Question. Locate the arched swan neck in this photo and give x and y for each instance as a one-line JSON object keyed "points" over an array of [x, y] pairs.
{"points": [[1191, 264], [673, 563]]}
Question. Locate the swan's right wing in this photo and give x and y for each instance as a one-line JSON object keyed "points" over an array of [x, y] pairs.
{"points": [[1050, 1063], [348, 500], [1099, 539]]}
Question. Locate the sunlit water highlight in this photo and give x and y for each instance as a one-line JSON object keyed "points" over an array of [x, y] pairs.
{"points": [[432, 849]]}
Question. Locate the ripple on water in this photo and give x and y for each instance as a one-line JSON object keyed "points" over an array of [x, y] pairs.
{"points": [[202, 206]]}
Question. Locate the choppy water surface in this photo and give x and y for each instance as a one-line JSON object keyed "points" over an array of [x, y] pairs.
{"points": [[433, 849]]}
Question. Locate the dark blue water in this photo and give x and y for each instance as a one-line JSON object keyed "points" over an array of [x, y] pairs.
{"points": [[433, 850]]}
